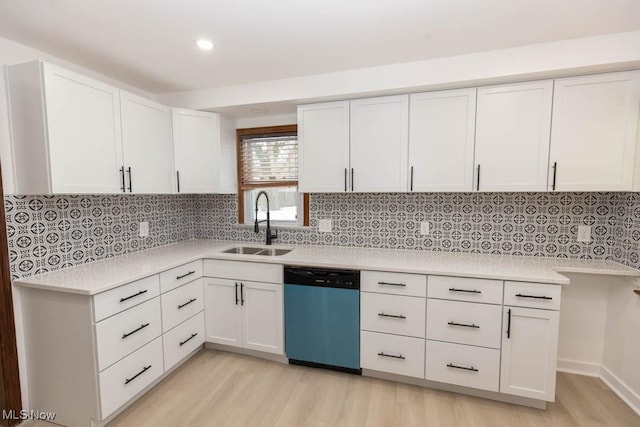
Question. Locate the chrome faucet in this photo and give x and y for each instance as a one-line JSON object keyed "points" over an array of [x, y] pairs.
{"points": [[270, 236]]}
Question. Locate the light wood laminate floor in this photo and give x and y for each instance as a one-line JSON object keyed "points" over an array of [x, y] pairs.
{"points": [[223, 389]]}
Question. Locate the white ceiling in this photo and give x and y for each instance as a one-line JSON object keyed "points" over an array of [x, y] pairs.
{"points": [[150, 44]]}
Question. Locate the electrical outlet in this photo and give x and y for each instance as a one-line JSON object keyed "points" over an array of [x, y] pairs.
{"points": [[324, 225], [144, 229], [425, 227], [584, 233]]}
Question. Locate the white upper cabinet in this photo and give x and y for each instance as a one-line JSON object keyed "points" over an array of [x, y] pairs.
{"points": [[147, 145], [379, 143], [594, 133], [65, 131], [441, 140], [205, 152], [323, 147], [512, 137]]}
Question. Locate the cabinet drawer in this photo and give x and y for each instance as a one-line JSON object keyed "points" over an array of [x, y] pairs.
{"points": [[181, 303], [126, 332], [178, 276], [392, 353], [130, 376], [394, 283], [464, 322], [534, 295], [239, 270], [183, 339], [465, 289], [392, 314], [463, 365], [115, 300]]}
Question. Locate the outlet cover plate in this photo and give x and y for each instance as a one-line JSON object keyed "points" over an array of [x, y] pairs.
{"points": [[584, 233], [425, 227], [144, 229], [324, 225]]}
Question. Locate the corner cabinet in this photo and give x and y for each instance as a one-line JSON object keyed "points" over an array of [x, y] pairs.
{"points": [[243, 305], [205, 152], [594, 138], [65, 130], [512, 137], [441, 140]]}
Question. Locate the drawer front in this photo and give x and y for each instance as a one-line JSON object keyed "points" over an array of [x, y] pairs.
{"points": [[463, 365], [123, 297], [239, 270], [130, 376], [392, 353], [533, 295], [392, 314], [394, 283], [178, 276], [126, 332], [464, 322], [183, 339], [181, 304], [465, 289]]}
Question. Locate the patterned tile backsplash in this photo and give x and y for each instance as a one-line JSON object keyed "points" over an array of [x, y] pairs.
{"points": [[51, 232]]}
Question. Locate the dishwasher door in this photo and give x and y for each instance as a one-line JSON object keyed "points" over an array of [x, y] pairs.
{"points": [[322, 326]]}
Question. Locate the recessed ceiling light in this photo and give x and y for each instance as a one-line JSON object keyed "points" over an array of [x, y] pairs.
{"points": [[204, 44]]}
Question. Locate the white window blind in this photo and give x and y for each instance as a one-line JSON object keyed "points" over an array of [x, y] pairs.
{"points": [[269, 159]]}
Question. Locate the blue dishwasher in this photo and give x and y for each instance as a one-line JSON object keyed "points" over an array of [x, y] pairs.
{"points": [[322, 317]]}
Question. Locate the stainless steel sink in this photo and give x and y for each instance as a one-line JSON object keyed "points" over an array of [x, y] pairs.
{"points": [[273, 252], [250, 250], [242, 250]]}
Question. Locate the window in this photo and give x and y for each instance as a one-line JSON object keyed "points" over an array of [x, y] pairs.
{"points": [[268, 161]]}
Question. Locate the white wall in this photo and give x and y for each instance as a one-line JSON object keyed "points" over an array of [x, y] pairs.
{"points": [[264, 121]]}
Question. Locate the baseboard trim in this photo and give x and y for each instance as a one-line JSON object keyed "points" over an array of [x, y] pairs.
{"points": [[624, 392], [578, 367], [253, 353]]}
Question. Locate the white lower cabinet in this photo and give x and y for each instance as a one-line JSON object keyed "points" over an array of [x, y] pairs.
{"points": [[262, 320], [392, 353], [128, 377], [529, 352], [463, 365], [180, 341]]}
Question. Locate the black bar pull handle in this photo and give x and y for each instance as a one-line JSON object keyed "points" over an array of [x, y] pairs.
{"points": [[185, 275], [533, 296], [241, 293], [478, 180], [145, 369], [128, 334], [391, 284], [187, 303], [451, 365], [345, 179], [133, 296], [471, 291], [411, 184], [178, 179], [393, 356], [466, 325], [555, 171], [237, 300], [509, 323], [193, 335], [122, 187], [395, 316], [351, 179], [130, 183]]}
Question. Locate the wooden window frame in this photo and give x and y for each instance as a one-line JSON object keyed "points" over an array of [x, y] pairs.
{"points": [[240, 133]]}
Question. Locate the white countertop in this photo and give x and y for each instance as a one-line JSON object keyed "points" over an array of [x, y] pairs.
{"points": [[100, 276]]}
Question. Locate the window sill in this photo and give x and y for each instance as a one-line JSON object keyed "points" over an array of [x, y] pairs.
{"points": [[275, 227]]}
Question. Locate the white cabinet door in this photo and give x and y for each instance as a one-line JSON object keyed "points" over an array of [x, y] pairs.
{"points": [[441, 140], [513, 123], [529, 353], [84, 135], [223, 312], [323, 147], [196, 147], [262, 317], [593, 137], [379, 143], [147, 145]]}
